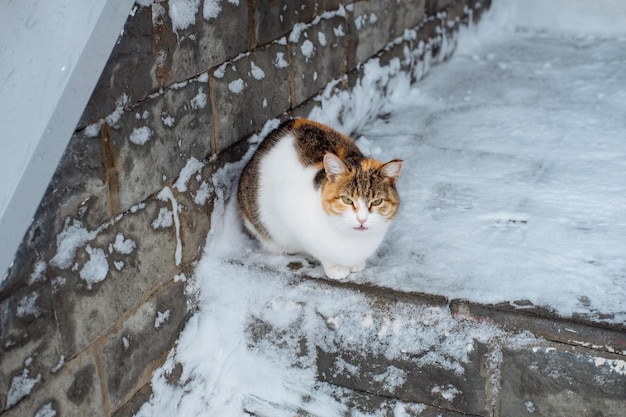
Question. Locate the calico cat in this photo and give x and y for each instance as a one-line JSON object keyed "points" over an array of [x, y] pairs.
{"points": [[308, 188]]}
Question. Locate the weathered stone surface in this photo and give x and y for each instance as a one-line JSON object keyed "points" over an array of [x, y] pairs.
{"points": [[152, 142], [274, 18], [360, 403], [318, 55], [130, 70], [134, 404], [407, 381], [557, 381], [454, 15], [74, 390], [369, 29], [546, 324], [407, 14], [142, 341], [30, 344], [218, 34], [86, 308], [248, 91]]}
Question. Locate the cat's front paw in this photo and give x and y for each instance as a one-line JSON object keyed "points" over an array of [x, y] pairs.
{"points": [[336, 271]]}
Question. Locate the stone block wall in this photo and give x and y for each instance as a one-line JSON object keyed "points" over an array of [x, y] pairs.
{"points": [[95, 298]]}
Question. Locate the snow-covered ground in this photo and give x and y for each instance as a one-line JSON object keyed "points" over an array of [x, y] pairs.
{"points": [[514, 188]]}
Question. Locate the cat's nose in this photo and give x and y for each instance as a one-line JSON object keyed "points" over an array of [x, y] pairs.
{"points": [[361, 220]]}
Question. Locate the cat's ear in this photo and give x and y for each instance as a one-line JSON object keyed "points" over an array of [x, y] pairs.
{"points": [[391, 170], [334, 167]]}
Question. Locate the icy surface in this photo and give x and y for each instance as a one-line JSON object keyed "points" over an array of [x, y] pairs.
{"points": [[513, 188]]}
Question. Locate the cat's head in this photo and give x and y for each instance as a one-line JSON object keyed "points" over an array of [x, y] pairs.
{"points": [[360, 193]]}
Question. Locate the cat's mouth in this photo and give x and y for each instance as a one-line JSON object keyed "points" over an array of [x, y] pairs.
{"points": [[360, 228]]}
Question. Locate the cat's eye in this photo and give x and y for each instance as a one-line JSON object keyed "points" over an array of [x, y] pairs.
{"points": [[346, 200], [376, 202]]}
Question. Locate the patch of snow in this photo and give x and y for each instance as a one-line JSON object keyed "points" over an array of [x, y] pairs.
{"points": [[211, 9], [27, 305], [38, 273], [73, 236], [613, 365], [447, 393], [392, 378], [96, 268], [124, 246], [237, 86], [168, 120], [307, 48], [256, 72], [280, 61], [137, 207], [140, 135], [46, 410], [297, 30], [338, 31], [220, 71], [200, 100], [161, 318], [125, 342], [203, 194], [183, 13], [530, 407], [164, 195], [321, 38], [21, 386], [191, 167], [58, 365], [57, 283], [164, 219]]}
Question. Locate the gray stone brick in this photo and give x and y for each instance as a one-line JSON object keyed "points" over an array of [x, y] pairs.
{"points": [[428, 384], [248, 91], [135, 403], [73, 391], [142, 342], [318, 55], [208, 42], [30, 344], [454, 16], [274, 18], [406, 14], [546, 324], [369, 29], [557, 380], [175, 125], [130, 69], [85, 311], [360, 403]]}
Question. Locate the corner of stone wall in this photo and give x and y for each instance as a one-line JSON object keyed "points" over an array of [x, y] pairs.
{"points": [[96, 296]]}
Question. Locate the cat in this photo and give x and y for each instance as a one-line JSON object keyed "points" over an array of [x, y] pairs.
{"points": [[309, 189]]}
